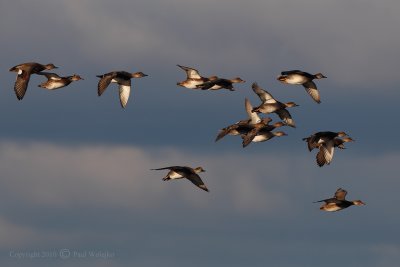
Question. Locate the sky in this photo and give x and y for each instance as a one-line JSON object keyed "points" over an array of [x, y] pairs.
{"points": [[76, 185]]}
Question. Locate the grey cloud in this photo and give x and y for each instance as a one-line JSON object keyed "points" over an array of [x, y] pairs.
{"points": [[81, 197], [348, 41]]}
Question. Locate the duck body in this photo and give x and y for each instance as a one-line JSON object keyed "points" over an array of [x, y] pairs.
{"points": [[24, 72], [55, 82], [305, 79], [123, 79], [179, 172]]}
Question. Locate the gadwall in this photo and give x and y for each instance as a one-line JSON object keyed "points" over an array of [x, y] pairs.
{"points": [[179, 172], [55, 82], [338, 202], [303, 78], [326, 142], [123, 79], [271, 105], [193, 78], [24, 72]]}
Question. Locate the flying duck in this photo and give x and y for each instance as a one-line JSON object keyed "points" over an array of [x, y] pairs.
{"points": [[193, 78], [123, 79], [55, 82], [24, 72], [303, 78], [179, 172], [338, 202], [326, 142], [271, 105]]}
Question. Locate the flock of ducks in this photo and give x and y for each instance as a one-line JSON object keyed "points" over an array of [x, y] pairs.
{"points": [[253, 129]]}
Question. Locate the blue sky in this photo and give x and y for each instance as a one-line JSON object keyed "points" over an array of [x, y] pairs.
{"points": [[75, 166]]}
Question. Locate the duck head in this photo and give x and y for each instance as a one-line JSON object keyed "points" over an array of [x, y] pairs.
{"points": [[319, 76], [199, 169]]}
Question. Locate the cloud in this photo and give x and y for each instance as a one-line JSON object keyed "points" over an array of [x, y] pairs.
{"points": [[51, 175], [82, 196], [267, 36]]}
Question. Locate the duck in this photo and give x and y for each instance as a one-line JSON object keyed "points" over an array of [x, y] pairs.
{"points": [[338, 201], [243, 126], [123, 79], [216, 83], [303, 78], [271, 105], [326, 142], [24, 72], [314, 140], [193, 78], [179, 172], [55, 82], [261, 135]]}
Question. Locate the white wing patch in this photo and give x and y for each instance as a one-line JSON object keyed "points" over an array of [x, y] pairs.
{"points": [[124, 92]]}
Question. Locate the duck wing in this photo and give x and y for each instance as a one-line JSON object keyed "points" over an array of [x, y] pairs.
{"points": [[262, 94], [104, 82], [223, 83], [312, 90], [124, 92], [223, 132], [195, 179], [21, 83], [328, 200], [325, 154], [167, 168], [290, 72], [286, 117], [253, 116], [250, 136], [190, 72], [311, 143], [340, 194]]}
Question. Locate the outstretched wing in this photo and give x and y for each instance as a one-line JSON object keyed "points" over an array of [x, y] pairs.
{"points": [[286, 117], [190, 72], [124, 92], [104, 82], [325, 154], [195, 179], [254, 118], [262, 94], [250, 136], [340, 194], [312, 90], [223, 132], [166, 168], [21, 84]]}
